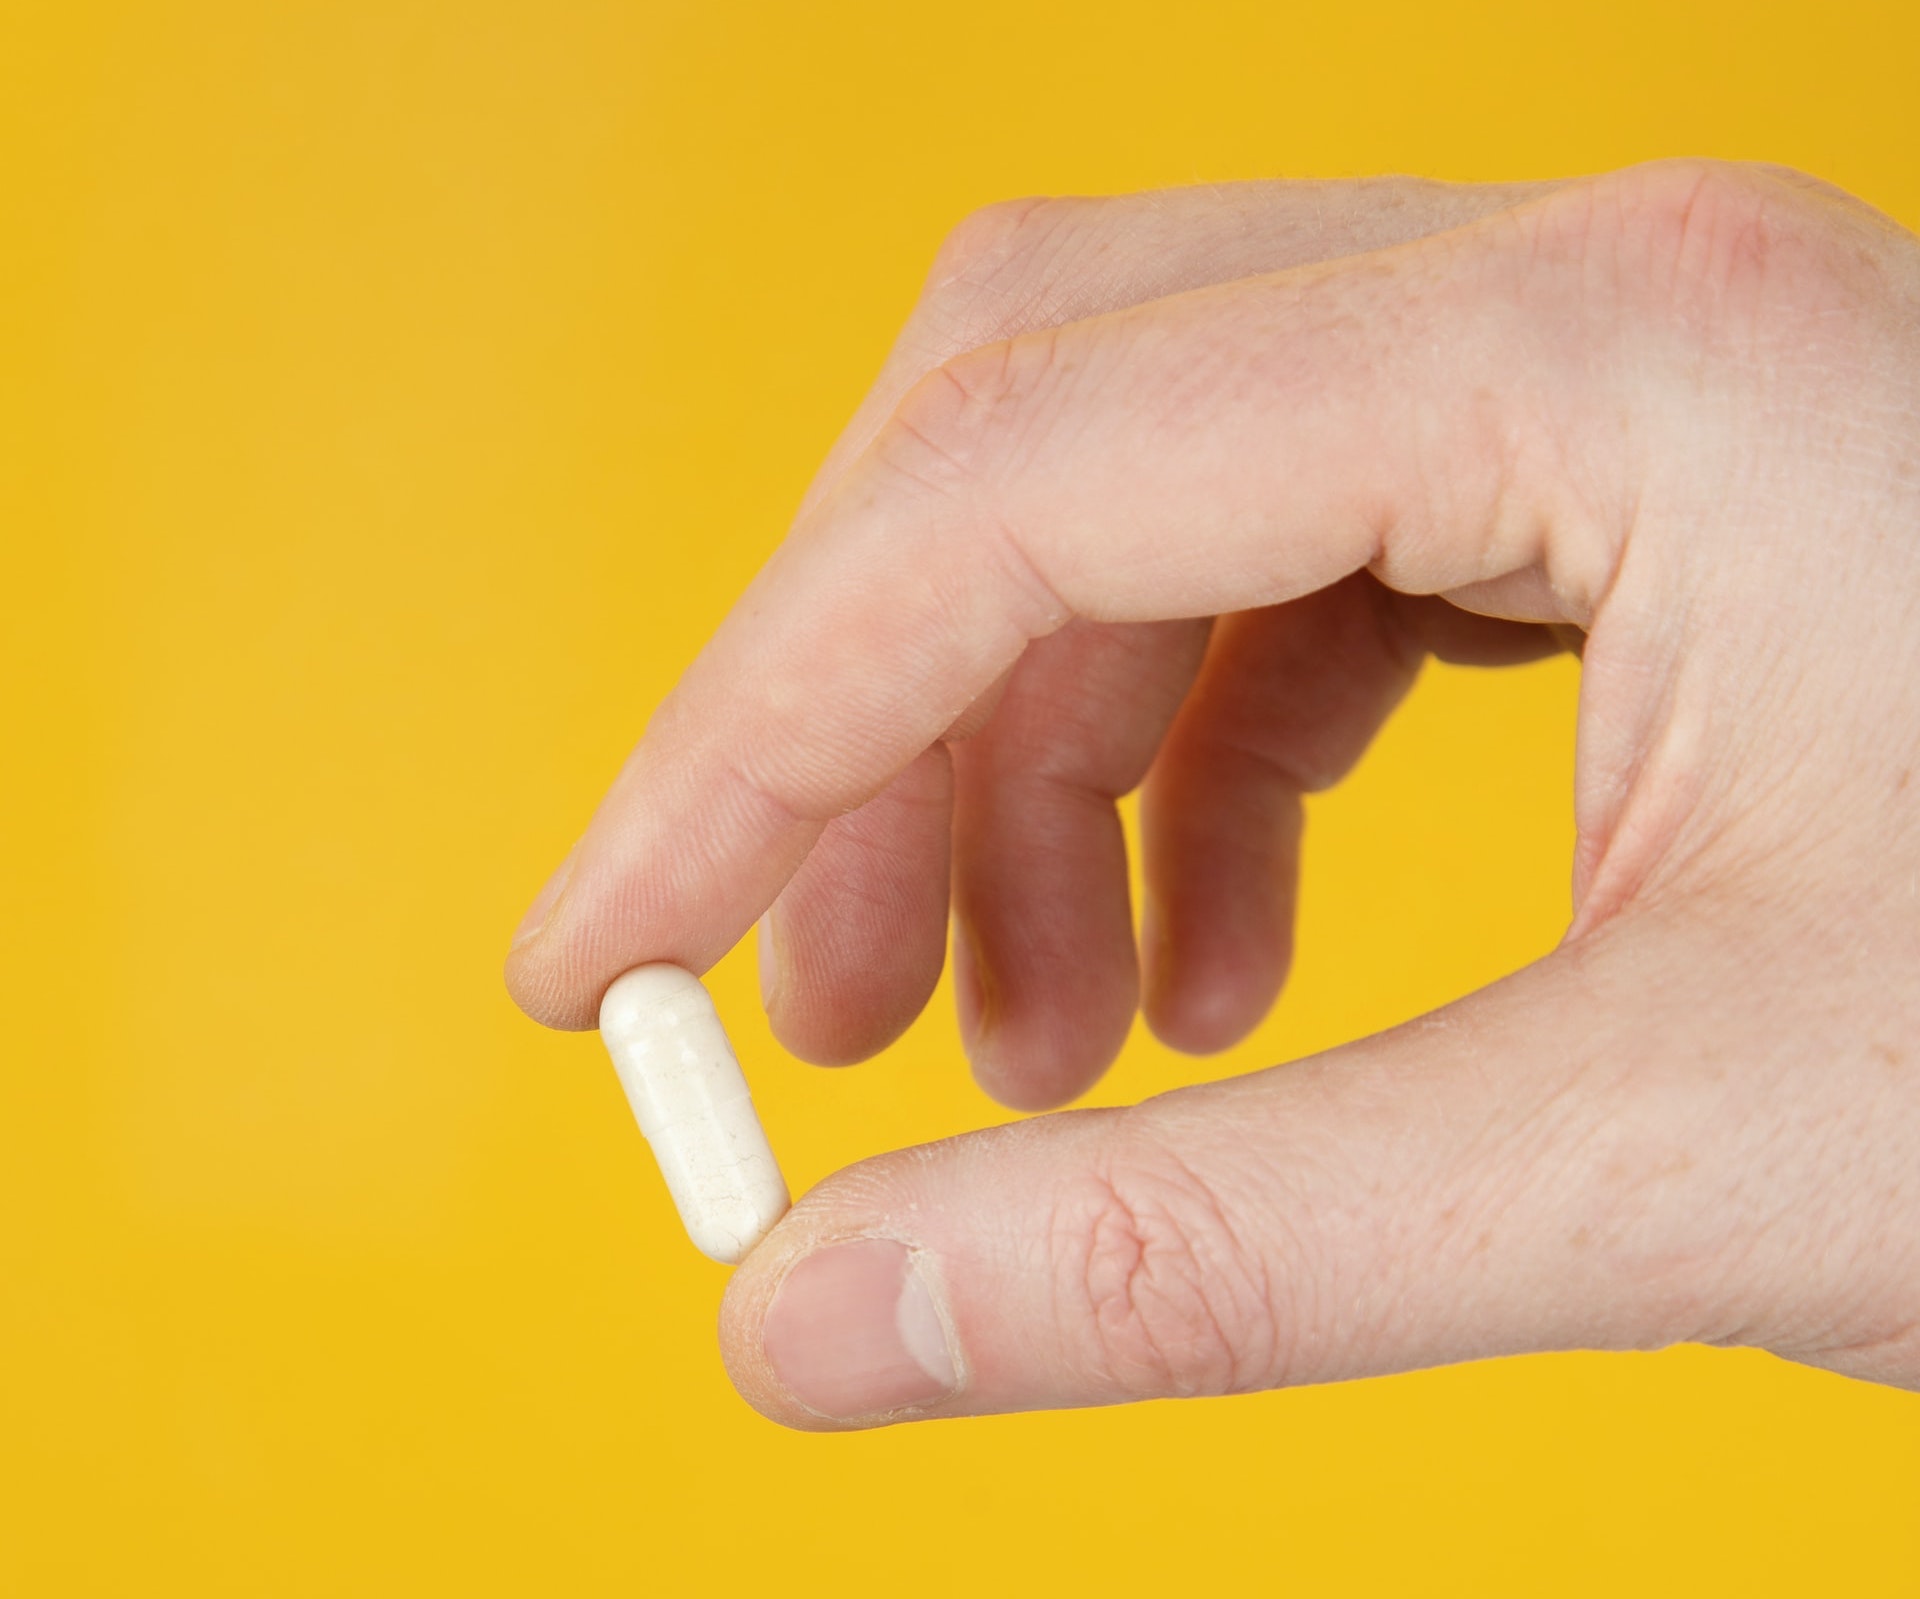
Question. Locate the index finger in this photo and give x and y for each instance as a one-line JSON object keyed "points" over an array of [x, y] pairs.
{"points": [[1214, 451]]}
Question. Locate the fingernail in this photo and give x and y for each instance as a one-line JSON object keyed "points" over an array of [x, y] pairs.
{"points": [[1156, 962], [853, 1331], [767, 949], [973, 984], [541, 910]]}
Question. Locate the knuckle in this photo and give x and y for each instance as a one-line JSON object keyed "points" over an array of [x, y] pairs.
{"points": [[1172, 1300], [990, 239], [930, 443], [1711, 221], [953, 430], [1738, 250], [992, 270], [1000, 273]]}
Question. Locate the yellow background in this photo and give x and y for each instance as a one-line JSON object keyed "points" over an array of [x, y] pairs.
{"points": [[392, 396]]}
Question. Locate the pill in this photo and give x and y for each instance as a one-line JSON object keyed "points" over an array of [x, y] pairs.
{"points": [[693, 1107]]}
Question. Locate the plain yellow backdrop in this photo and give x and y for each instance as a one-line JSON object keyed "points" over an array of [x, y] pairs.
{"points": [[392, 397]]}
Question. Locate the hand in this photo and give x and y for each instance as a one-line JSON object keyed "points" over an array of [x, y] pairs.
{"points": [[1180, 489]]}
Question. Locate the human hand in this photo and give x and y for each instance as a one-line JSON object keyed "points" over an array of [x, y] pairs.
{"points": [[1675, 409]]}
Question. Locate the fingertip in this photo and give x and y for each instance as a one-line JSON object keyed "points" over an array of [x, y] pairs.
{"points": [[1041, 1022], [834, 1323], [1031, 1062], [1029, 1087], [852, 949], [743, 1312], [837, 992], [747, 1370], [1203, 1020], [843, 1040], [545, 995], [1200, 1024], [1201, 1007], [532, 974]]}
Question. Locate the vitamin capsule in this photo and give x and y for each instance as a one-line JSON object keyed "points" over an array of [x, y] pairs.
{"points": [[692, 1104]]}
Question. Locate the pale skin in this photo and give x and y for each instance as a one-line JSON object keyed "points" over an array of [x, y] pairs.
{"points": [[1177, 490]]}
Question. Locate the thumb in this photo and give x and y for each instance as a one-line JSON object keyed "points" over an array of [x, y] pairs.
{"points": [[1516, 1172]]}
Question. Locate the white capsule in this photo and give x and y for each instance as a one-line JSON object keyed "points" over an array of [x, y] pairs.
{"points": [[693, 1106]]}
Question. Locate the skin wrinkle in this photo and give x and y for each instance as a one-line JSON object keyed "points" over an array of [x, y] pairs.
{"points": [[1149, 1272], [923, 422], [758, 793], [1616, 854], [1250, 1326], [1257, 1360], [1280, 1178], [992, 244]]}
